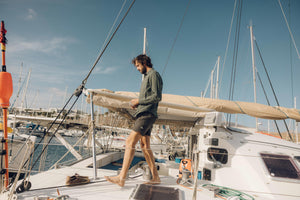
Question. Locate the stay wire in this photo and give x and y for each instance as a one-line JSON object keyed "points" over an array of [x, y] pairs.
{"points": [[78, 90], [115, 21], [112, 36], [235, 50], [173, 45], [57, 117], [237, 45], [262, 86], [271, 85], [228, 39], [52, 136], [291, 57], [288, 26], [235, 55]]}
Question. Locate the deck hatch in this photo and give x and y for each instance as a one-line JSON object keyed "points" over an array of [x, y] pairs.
{"points": [[152, 192], [281, 166]]}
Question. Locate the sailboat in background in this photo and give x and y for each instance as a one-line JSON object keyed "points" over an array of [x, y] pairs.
{"points": [[234, 162], [221, 161]]}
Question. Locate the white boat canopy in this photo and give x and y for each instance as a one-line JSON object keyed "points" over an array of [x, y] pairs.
{"points": [[189, 108]]}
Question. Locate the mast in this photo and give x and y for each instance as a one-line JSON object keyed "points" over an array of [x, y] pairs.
{"points": [[253, 68], [144, 46], [296, 123], [217, 80], [24, 94], [34, 99], [212, 84], [19, 82]]}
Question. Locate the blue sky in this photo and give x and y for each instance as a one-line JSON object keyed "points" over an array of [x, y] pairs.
{"points": [[61, 39]]}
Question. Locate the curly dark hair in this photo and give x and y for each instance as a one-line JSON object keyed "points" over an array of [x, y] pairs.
{"points": [[143, 59]]}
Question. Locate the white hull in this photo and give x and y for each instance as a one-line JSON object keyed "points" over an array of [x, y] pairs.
{"points": [[234, 162]]}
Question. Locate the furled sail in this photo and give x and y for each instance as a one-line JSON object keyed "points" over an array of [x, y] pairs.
{"points": [[191, 108]]}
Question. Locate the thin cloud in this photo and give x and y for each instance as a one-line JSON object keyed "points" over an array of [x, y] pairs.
{"points": [[45, 46], [31, 14], [56, 91], [103, 70]]}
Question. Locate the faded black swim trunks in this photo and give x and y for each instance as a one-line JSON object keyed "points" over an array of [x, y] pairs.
{"points": [[144, 123]]}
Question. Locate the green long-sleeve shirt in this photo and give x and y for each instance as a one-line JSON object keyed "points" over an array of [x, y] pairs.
{"points": [[150, 93]]}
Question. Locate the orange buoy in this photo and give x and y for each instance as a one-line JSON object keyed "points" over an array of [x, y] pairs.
{"points": [[6, 86], [6, 89]]}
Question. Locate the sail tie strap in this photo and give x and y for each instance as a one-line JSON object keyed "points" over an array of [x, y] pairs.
{"points": [[239, 107], [277, 108], [191, 101]]}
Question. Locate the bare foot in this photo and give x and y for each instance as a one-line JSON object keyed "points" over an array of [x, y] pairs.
{"points": [[153, 182], [115, 180]]}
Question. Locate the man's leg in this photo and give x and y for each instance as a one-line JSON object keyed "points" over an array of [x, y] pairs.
{"points": [[131, 141], [145, 146]]}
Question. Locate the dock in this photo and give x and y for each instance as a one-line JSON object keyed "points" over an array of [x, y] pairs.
{"points": [[75, 119]]}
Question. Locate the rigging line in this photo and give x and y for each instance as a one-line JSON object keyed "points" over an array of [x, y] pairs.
{"points": [[237, 46], [111, 29], [287, 24], [291, 57], [48, 131], [57, 117], [102, 52], [18, 93], [234, 61], [57, 162], [271, 85], [228, 39], [268, 101], [78, 91], [233, 68], [54, 132], [209, 80], [171, 50]]}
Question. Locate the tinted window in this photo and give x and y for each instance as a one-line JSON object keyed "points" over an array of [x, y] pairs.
{"points": [[217, 154], [281, 166]]}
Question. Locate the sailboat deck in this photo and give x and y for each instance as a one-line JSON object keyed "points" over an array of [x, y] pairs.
{"points": [[96, 188]]}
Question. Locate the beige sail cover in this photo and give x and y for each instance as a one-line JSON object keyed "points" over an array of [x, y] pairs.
{"points": [[193, 107]]}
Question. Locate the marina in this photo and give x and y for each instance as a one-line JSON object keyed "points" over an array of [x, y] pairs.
{"points": [[240, 143]]}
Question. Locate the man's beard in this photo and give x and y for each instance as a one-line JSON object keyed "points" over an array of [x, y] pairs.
{"points": [[143, 71]]}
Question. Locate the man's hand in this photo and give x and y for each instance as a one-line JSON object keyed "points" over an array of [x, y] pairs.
{"points": [[134, 103]]}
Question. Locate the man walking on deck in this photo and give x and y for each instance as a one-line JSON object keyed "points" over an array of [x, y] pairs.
{"points": [[146, 114]]}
